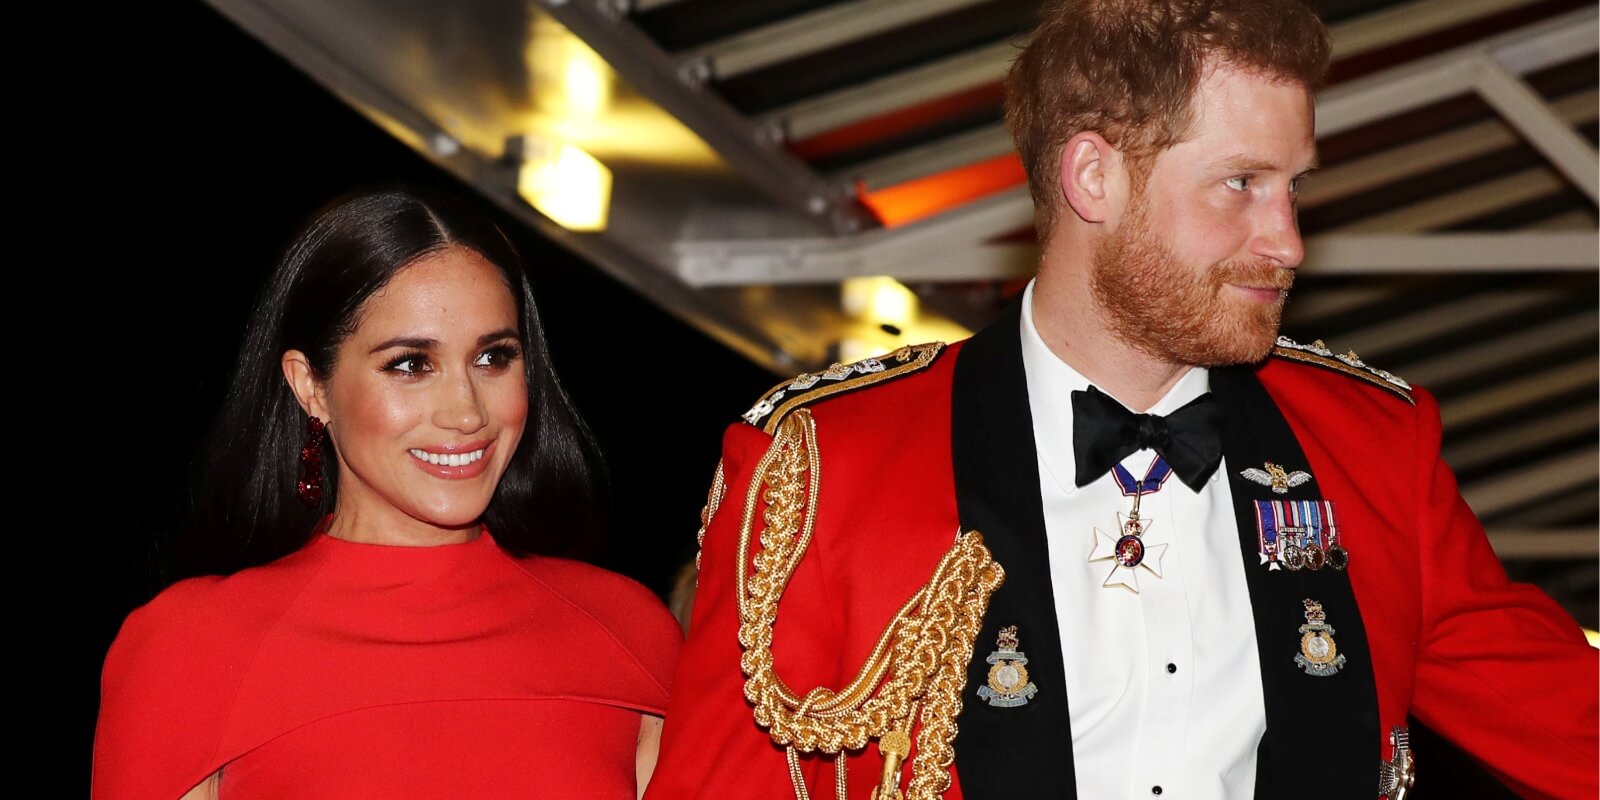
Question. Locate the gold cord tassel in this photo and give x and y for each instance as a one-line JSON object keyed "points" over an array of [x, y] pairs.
{"points": [[917, 668]]}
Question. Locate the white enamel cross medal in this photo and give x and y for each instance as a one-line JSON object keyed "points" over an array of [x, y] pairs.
{"points": [[1129, 551]]}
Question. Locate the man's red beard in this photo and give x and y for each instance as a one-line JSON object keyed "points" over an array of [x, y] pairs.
{"points": [[1177, 314]]}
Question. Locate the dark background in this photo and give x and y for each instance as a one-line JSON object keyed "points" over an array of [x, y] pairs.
{"points": [[195, 157], [220, 151]]}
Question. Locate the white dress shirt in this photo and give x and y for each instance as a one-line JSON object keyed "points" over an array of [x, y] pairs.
{"points": [[1164, 685]]}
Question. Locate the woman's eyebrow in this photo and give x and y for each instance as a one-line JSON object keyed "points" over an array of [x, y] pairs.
{"points": [[411, 342]]}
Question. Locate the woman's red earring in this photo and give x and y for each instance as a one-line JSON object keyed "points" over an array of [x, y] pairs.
{"points": [[310, 485]]}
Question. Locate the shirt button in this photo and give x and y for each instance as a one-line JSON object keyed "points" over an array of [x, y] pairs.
{"points": [[1172, 669], [1155, 790]]}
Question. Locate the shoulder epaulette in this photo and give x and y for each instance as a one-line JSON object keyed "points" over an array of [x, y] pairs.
{"points": [[809, 387], [1317, 354]]}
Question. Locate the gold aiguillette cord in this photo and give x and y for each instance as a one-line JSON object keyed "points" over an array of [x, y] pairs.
{"points": [[913, 677]]}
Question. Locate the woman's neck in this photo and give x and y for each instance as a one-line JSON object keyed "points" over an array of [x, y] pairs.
{"points": [[360, 517]]}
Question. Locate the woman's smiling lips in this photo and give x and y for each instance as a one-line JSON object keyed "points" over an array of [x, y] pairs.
{"points": [[453, 462]]}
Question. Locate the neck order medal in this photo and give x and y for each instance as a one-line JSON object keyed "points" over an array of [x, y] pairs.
{"points": [[1129, 551]]}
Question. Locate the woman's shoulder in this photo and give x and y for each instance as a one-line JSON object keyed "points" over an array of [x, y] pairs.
{"points": [[172, 673], [204, 620], [627, 611]]}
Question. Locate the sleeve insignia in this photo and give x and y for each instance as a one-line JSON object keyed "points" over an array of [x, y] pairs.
{"points": [[810, 387], [1347, 363]]}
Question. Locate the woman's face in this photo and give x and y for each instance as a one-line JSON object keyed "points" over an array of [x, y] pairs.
{"points": [[427, 400]]}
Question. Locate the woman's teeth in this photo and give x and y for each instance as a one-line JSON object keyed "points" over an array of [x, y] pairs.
{"points": [[450, 460]]}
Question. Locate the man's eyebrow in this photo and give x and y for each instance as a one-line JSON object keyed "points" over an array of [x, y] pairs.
{"points": [[1242, 163]]}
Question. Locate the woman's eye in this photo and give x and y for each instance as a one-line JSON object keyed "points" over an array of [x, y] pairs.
{"points": [[408, 365], [1238, 184], [496, 357]]}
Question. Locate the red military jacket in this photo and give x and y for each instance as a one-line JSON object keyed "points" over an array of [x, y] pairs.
{"points": [[914, 446]]}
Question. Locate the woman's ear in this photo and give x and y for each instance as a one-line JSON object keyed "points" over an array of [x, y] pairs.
{"points": [[303, 382]]}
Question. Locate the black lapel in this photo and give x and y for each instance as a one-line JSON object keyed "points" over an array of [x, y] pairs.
{"points": [[1322, 732], [1025, 751]]}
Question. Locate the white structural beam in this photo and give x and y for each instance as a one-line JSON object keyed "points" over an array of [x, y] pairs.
{"points": [[1477, 200], [1416, 157], [958, 73], [931, 249], [1438, 322], [1408, 21], [810, 33], [1542, 125], [1528, 434], [1503, 353], [1416, 84], [1310, 308], [1577, 543], [1554, 510], [950, 152], [1509, 395], [1549, 477], [932, 253], [1365, 254]]}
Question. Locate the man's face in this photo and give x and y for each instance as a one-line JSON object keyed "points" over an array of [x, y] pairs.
{"points": [[1201, 261]]}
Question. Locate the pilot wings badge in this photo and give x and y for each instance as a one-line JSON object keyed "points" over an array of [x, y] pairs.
{"points": [[1276, 477]]}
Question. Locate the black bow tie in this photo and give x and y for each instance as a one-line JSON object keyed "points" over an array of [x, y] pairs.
{"points": [[1104, 433]]}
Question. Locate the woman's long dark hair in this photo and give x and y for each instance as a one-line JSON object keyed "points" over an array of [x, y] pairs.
{"points": [[246, 509]]}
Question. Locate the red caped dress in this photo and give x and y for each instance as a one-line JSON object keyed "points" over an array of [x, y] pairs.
{"points": [[368, 671]]}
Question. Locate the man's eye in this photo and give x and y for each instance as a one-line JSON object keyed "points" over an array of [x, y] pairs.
{"points": [[1238, 184]]}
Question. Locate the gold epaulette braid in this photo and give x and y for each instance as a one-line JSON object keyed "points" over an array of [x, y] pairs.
{"points": [[917, 668]]}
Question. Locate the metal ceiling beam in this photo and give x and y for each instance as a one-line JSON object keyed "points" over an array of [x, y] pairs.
{"points": [[1544, 127], [1502, 352], [1377, 253], [1444, 210], [643, 6], [1554, 510], [1549, 477], [1422, 155], [753, 151], [1408, 21], [925, 250], [987, 65], [932, 253], [1528, 434], [958, 73], [932, 158], [1438, 322], [1574, 220], [819, 30], [1310, 307], [1576, 543], [1418, 83], [1527, 389]]}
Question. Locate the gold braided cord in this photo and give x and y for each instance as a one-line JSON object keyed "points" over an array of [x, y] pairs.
{"points": [[917, 668], [713, 501]]}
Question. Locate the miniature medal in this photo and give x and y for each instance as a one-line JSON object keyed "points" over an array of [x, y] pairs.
{"points": [[1319, 655], [1128, 550], [1275, 477], [1299, 534], [1008, 685]]}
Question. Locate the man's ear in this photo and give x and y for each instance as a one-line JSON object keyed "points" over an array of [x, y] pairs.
{"points": [[1091, 177], [303, 382]]}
